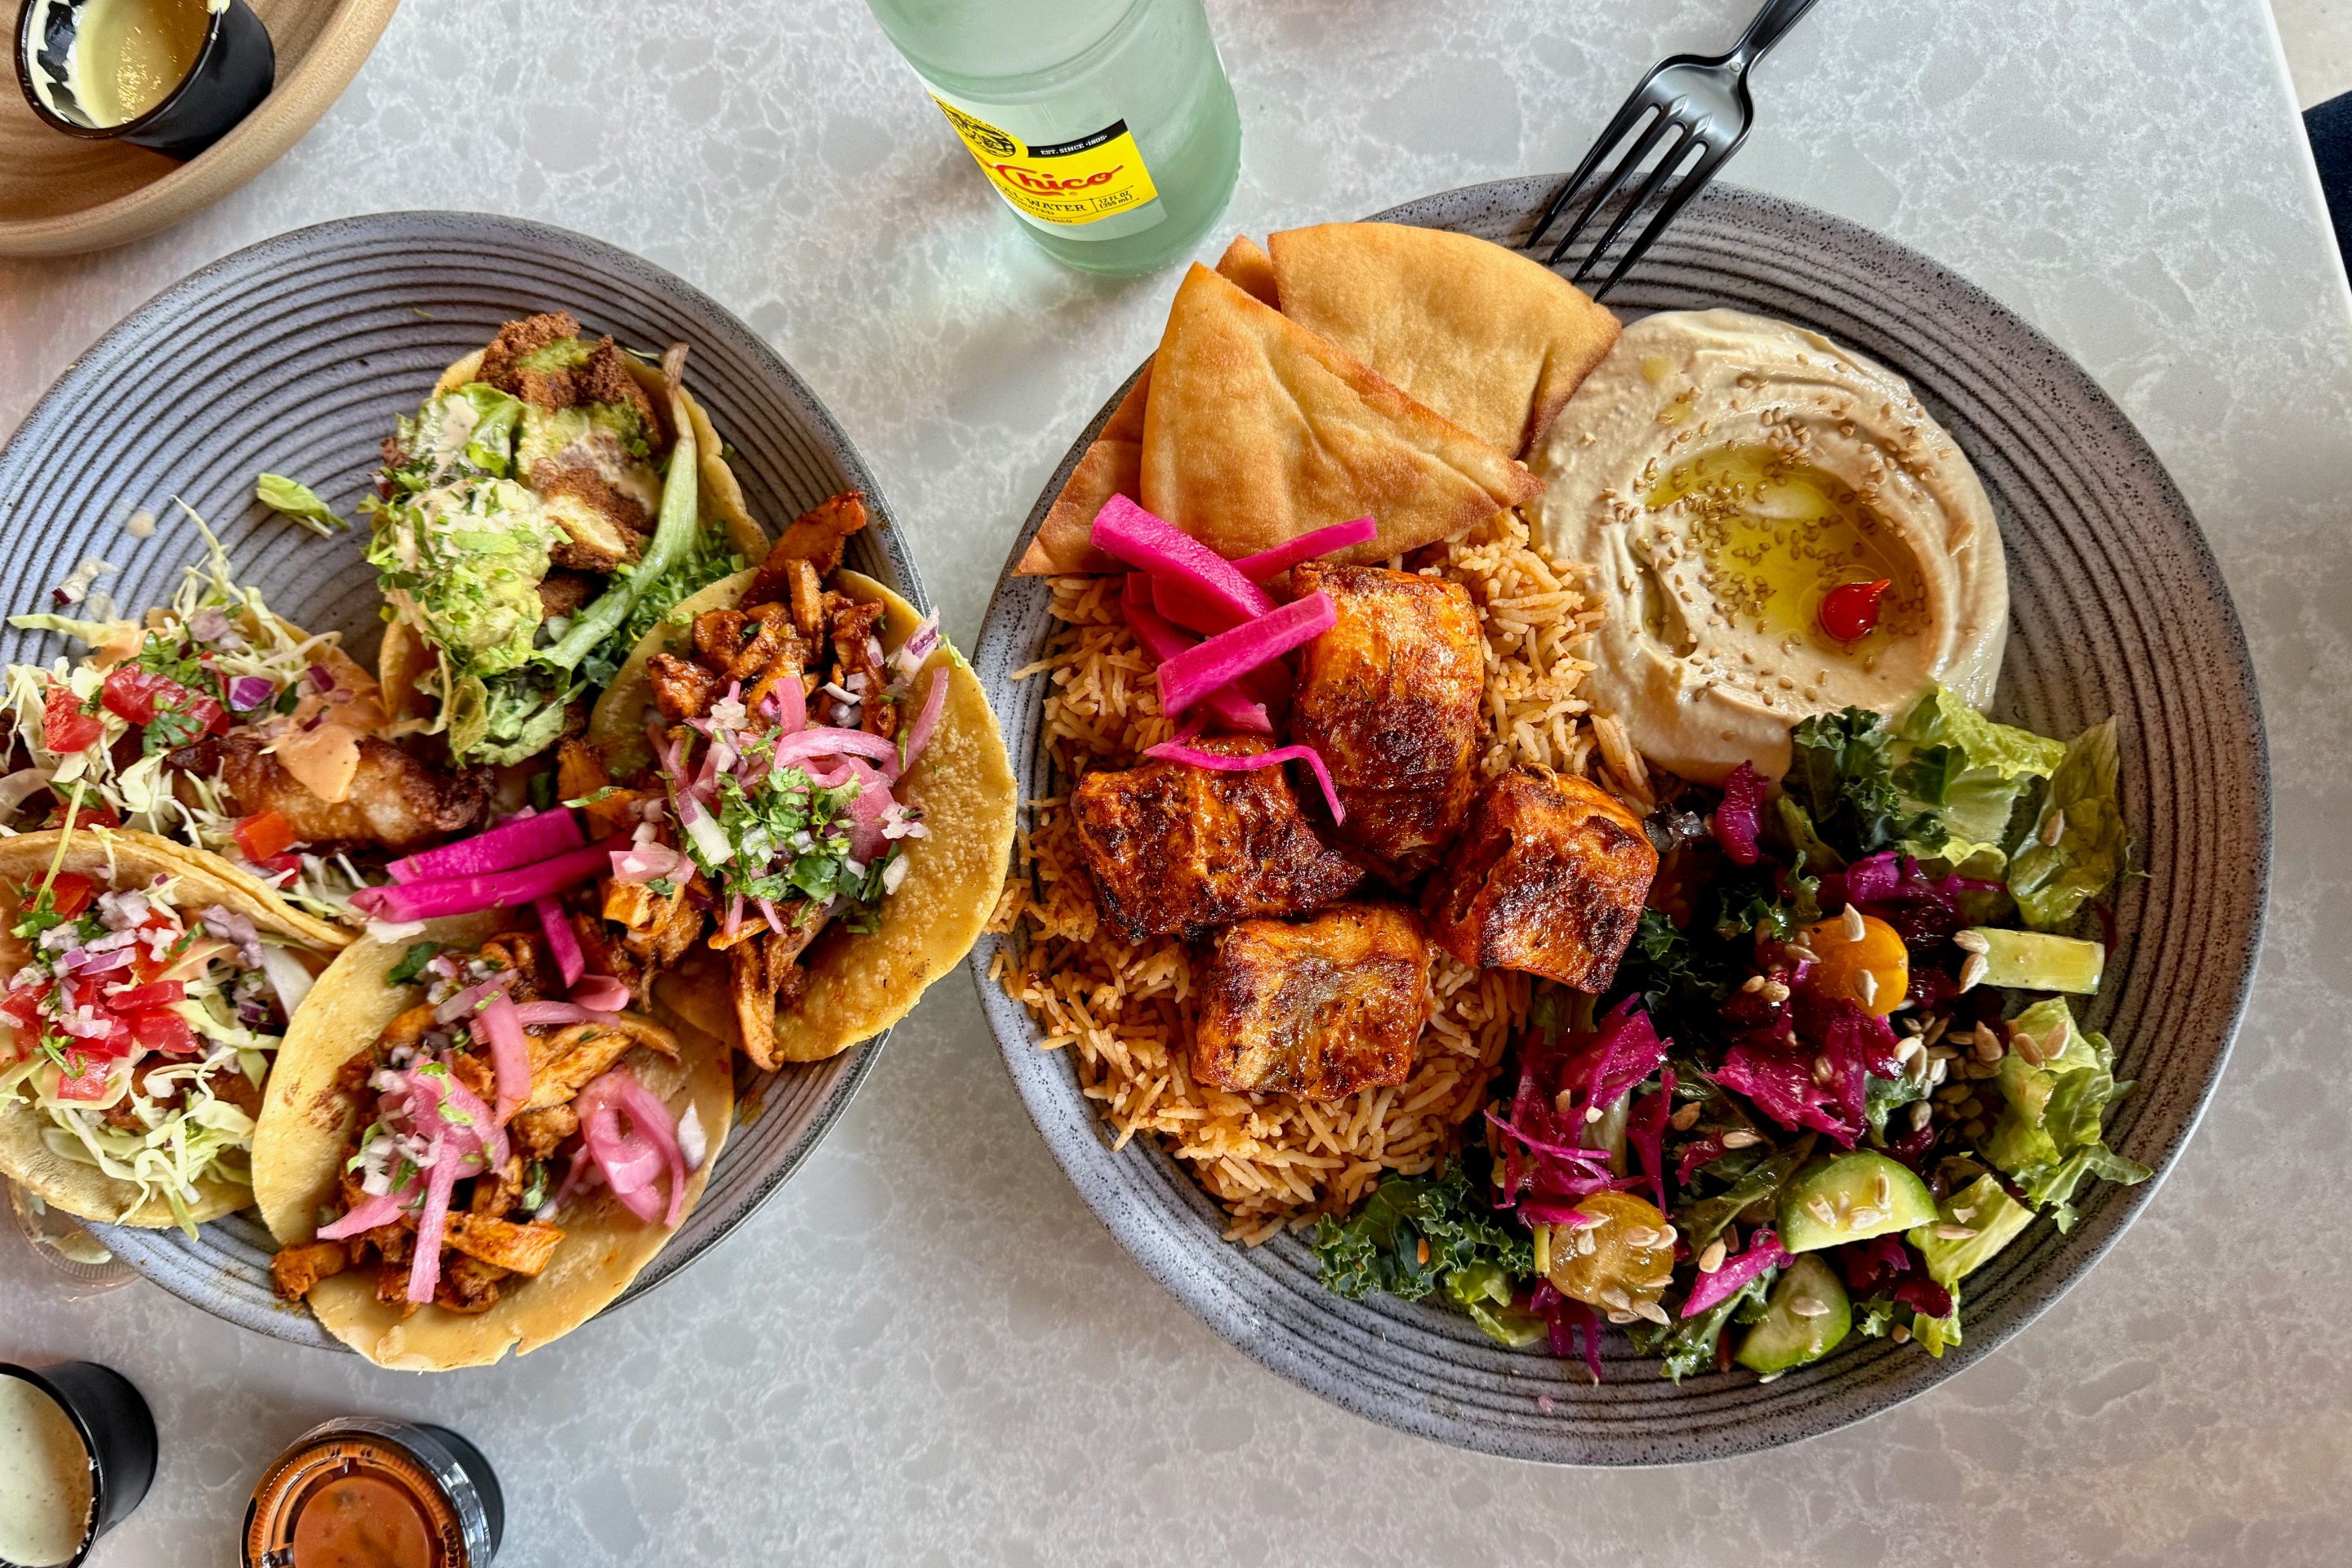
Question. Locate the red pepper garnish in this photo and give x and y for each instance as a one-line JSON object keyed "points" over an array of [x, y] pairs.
{"points": [[89, 1085], [264, 835], [147, 997], [1850, 610], [65, 728]]}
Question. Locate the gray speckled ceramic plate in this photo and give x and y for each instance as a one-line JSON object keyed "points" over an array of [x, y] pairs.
{"points": [[2117, 607], [295, 355]]}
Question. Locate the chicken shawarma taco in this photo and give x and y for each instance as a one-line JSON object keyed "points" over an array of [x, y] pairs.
{"points": [[819, 805], [147, 995], [456, 1164], [551, 501]]}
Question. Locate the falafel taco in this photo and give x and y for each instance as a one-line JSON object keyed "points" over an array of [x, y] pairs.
{"points": [[149, 989], [551, 501], [818, 804], [457, 1162]]}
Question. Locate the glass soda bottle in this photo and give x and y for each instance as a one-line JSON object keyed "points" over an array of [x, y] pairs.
{"points": [[1107, 126]]}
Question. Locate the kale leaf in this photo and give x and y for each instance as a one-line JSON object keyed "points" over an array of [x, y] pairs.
{"points": [[1840, 776], [1378, 1247]]}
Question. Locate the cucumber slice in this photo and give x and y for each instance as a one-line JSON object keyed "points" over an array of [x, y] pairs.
{"points": [[2036, 961], [1787, 1337], [1851, 1198]]}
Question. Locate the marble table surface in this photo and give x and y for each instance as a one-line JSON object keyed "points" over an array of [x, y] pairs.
{"points": [[926, 1350]]}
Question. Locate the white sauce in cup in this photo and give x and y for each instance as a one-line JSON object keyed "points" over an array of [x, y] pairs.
{"points": [[45, 1477]]}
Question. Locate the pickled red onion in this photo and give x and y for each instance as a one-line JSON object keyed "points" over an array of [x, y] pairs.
{"points": [[522, 842], [561, 940], [465, 895], [1225, 658], [497, 1026], [601, 1104], [1126, 531], [1183, 751], [600, 993], [1161, 641], [1274, 563], [918, 734]]}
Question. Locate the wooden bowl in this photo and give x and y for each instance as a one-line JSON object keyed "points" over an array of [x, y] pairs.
{"points": [[61, 196]]}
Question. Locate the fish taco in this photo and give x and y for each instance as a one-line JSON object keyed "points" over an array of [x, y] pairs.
{"points": [[818, 804], [550, 499], [147, 995], [456, 1164]]}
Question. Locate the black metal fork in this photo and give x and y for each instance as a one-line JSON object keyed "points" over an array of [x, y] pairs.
{"points": [[1691, 103]]}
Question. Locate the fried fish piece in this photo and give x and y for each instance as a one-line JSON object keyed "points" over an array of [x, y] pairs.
{"points": [[1178, 848], [1390, 696], [1548, 876], [395, 800], [1319, 1007]]}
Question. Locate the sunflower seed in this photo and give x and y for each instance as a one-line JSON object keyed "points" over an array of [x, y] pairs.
{"points": [[1740, 1138], [1883, 1191], [1954, 1233], [1585, 1244], [1936, 1073], [1775, 993], [1622, 1319], [1615, 1296], [1986, 1050], [1592, 1113], [1952, 1093], [1899, 1334], [1905, 1049], [2055, 829], [1768, 1377], [1801, 953], [2035, 1052], [1972, 972], [1866, 983], [1685, 1119], [1935, 1031], [1753, 983], [1810, 1307], [1823, 1072], [1971, 941], [1820, 1209], [1921, 1114], [1641, 1236], [1851, 923], [1861, 1219], [1653, 1312], [1712, 1258]]}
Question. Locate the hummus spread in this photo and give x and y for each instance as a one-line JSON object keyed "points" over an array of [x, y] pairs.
{"points": [[1722, 473]]}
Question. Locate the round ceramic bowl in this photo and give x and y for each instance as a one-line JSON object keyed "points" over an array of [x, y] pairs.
{"points": [[2117, 607], [295, 356]]}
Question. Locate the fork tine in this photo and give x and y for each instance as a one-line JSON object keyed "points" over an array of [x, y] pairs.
{"points": [[1649, 187], [1617, 179], [1702, 173], [1629, 115]]}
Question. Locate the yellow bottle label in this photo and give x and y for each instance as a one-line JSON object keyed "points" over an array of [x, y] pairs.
{"points": [[1075, 182]]}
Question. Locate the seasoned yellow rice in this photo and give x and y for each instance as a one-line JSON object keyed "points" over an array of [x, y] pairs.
{"points": [[1275, 1159]]}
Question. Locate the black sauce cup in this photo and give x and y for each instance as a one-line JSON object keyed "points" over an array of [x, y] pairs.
{"points": [[233, 71], [117, 1430]]}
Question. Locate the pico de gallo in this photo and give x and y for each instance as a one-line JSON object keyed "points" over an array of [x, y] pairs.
{"points": [[144, 1028]]}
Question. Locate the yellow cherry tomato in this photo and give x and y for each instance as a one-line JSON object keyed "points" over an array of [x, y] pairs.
{"points": [[1625, 1257], [1872, 969]]}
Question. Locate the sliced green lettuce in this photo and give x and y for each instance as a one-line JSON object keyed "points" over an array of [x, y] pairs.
{"points": [[2050, 1134], [1981, 1206], [1483, 1289], [1971, 773], [2079, 845], [292, 499]]}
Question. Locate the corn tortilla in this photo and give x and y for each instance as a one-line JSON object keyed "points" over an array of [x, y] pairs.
{"points": [[857, 985], [122, 859], [305, 1122]]}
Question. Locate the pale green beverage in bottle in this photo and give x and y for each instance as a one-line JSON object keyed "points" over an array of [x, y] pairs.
{"points": [[1107, 126]]}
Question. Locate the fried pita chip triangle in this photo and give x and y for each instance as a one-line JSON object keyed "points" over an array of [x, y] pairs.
{"points": [[1258, 431], [1489, 339], [1112, 466], [1251, 269]]}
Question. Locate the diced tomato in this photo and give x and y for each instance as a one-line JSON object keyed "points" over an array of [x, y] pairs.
{"points": [[70, 893], [264, 835], [278, 864], [22, 1008], [143, 998], [65, 728], [91, 814], [143, 968], [165, 1032], [90, 1085], [131, 694], [211, 715]]}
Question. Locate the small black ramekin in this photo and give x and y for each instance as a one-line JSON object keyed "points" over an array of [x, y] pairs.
{"points": [[116, 1428], [234, 72]]}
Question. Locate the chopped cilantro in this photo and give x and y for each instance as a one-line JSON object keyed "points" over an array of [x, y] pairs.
{"points": [[411, 962]]}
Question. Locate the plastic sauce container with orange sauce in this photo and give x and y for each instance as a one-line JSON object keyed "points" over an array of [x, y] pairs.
{"points": [[367, 1493]]}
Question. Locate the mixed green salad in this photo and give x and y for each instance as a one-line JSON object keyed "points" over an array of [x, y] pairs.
{"points": [[1837, 1072]]}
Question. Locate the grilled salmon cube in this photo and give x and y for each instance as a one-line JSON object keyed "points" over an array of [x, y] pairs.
{"points": [[1550, 877], [1390, 696], [1319, 1007], [1176, 848]]}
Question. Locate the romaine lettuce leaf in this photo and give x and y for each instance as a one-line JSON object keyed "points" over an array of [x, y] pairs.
{"points": [[290, 498], [1980, 1206], [1971, 774], [2053, 880], [2050, 1135]]}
